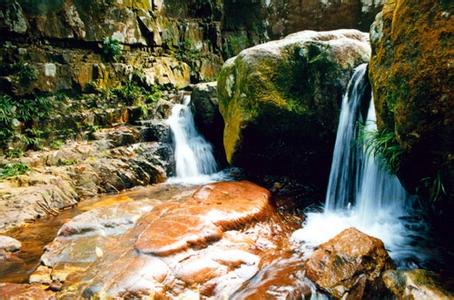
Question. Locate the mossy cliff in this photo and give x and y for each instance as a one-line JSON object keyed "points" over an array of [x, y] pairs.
{"points": [[411, 72], [280, 101]]}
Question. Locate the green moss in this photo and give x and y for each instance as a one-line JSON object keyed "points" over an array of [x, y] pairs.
{"points": [[67, 162]]}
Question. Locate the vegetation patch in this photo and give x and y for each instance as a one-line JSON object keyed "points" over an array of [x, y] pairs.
{"points": [[383, 144], [111, 49], [13, 170], [26, 74]]}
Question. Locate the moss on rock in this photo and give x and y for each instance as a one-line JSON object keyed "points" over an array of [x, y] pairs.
{"points": [[280, 101], [411, 75]]}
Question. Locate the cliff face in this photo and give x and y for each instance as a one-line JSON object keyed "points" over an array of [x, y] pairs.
{"points": [[289, 16], [411, 74], [76, 44]]}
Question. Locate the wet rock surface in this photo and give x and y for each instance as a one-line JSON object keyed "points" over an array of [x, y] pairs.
{"points": [[24, 291], [210, 243], [350, 265]]}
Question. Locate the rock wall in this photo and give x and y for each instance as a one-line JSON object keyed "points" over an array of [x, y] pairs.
{"points": [[168, 42], [66, 45], [289, 16], [411, 72]]}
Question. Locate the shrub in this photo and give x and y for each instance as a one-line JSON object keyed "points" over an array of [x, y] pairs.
{"points": [[29, 113], [25, 73], [111, 48], [13, 169]]}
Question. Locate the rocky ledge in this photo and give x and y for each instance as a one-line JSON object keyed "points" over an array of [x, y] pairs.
{"points": [[211, 243], [118, 158]]}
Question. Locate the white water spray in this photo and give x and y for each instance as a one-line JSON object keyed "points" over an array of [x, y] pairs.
{"points": [[194, 157], [361, 193]]}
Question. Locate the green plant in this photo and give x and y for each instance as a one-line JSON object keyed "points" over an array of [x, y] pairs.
{"points": [[111, 48], [128, 93], [132, 94], [14, 153], [67, 162], [7, 119], [154, 94], [26, 115], [56, 144], [188, 52], [13, 169], [33, 138], [383, 144], [25, 73], [435, 186]]}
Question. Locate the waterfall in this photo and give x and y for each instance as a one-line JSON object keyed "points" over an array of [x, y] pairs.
{"points": [[193, 154], [361, 193]]}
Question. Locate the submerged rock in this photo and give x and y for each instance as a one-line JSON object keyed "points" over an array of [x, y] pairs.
{"points": [[349, 265], [280, 101], [415, 284], [207, 244], [411, 72]]}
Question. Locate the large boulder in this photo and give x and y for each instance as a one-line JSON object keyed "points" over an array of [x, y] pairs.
{"points": [[280, 101], [411, 73], [349, 265], [415, 284], [207, 242]]}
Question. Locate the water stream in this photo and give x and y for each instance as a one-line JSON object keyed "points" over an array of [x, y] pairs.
{"points": [[361, 193], [194, 159]]}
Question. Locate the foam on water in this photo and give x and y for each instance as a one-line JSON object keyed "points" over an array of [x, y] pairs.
{"points": [[194, 159], [361, 193]]}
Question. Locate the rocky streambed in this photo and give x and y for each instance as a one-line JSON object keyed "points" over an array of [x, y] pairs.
{"points": [[162, 240], [224, 240]]}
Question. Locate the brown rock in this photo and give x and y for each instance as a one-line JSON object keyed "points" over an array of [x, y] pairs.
{"points": [[349, 265], [15, 291], [411, 73], [212, 210], [208, 243]]}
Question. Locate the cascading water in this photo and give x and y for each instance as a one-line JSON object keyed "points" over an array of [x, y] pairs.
{"points": [[194, 157], [361, 193]]}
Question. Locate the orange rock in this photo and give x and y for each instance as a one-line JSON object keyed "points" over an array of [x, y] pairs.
{"points": [[212, 210], [208, 243], [15, 291], [350, 264]]}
